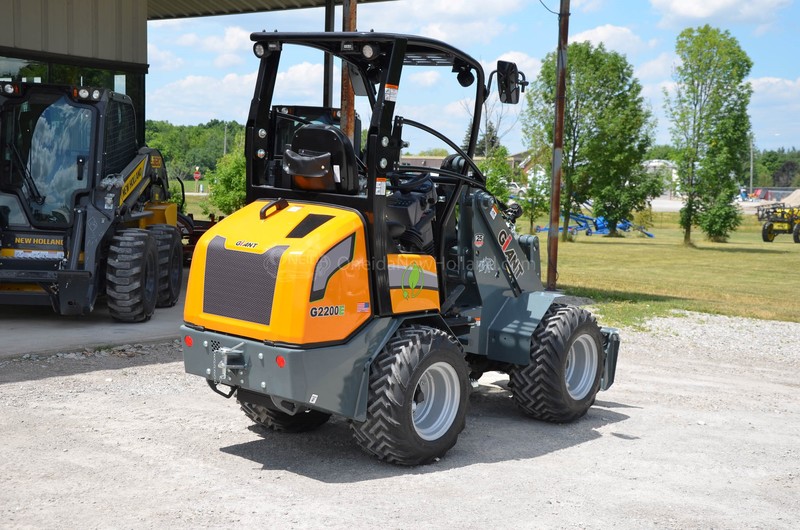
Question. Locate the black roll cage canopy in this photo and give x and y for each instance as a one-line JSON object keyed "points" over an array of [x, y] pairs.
{"points": [[374, 62]]}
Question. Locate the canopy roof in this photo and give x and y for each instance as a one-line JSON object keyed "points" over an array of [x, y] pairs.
{"points": [[168, 9]]}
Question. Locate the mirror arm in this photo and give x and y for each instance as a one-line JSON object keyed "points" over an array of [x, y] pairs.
{"points": [[489, 82]]}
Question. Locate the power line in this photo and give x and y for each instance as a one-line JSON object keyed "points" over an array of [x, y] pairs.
{"points": [[547, 8]]}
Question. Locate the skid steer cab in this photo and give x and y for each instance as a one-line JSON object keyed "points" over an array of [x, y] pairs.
{"points": [[84, 209], [355, 285]]}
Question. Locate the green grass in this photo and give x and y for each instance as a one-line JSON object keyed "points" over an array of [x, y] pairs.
{"points": [[193, 206], [633, 277]]}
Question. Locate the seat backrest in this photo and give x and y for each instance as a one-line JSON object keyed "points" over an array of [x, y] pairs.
{"points": [[306, 161]]}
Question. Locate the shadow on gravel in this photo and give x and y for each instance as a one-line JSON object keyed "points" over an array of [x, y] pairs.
{"points": [[496, 432]]}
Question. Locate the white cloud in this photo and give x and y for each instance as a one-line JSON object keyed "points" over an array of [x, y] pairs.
{"points": [[616, 38], [162, 60], [658, 68], [234, 38], [458, 22], [226, 60], [774, 108], [758, 12], [427, 78], [585, 6], [198, 99], [462, 33], [188, 39]]}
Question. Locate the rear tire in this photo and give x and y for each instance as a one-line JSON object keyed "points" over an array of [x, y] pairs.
{"points": [[132, 276], [170, 264], [418, 392], [563, 378], [281, 422], [767, 233], [796, 233]]}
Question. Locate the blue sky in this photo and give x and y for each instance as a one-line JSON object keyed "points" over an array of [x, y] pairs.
{"points": [[204, 68]]}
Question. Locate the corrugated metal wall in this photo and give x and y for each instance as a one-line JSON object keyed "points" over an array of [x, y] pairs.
{"points": [[113, 30]]}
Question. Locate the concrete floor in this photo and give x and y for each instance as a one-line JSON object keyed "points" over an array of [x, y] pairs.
{"points": [[38, 330]]}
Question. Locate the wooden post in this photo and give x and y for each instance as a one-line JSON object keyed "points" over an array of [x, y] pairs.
{"points": [[558, 147], [348, 97]]}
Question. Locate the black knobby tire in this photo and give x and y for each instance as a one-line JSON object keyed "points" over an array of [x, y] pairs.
{"points": [[278, 421], [563, 378], [767, 233], [796, 233], [418, 395], [170, 264], [132, 275]]}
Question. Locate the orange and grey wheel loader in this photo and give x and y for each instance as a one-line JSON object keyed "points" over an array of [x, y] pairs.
{"points": [[355, 285], [84, 208]]}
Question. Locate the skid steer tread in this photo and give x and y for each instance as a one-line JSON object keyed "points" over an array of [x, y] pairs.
{"points": [[131, 275]]}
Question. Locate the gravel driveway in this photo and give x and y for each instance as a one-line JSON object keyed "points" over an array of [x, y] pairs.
{"points": [[701, 429]]}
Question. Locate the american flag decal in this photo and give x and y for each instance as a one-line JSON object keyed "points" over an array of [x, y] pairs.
{"points": [[362, 307]]}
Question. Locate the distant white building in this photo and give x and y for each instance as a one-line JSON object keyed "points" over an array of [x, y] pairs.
{"points": [[668, 169]]}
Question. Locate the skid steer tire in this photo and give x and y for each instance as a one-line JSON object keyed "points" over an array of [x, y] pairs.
{"points": [[132, 276], [170, 264], [563, 378], [767, 233], [281, 422], [796, 233], [418, 395]]}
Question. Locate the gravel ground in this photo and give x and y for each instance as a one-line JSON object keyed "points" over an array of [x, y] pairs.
{"points": [[701, 429]]}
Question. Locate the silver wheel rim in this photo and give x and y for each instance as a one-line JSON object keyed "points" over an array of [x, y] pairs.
{"points": [[435, 401], [582, 361]]}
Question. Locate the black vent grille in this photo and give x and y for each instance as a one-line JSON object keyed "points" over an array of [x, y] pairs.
{"points": [[310, 223], [240, 285]]}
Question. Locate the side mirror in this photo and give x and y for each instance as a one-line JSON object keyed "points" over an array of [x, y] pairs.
{"points": [[508, 84]]}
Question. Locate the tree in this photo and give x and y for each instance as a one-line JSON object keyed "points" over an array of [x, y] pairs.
{"points": [[498, 172], [487, 141], [607, 131], [228, 180], [188, 146], [536, 200], [785, 175], [434, 151], [662, 152], [710, 128]]}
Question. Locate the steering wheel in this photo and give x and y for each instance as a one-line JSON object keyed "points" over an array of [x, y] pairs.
{"points": [[407, 180]]}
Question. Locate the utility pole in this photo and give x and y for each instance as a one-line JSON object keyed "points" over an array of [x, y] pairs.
{"points": [[225, 141], [750, 191], [558, 146], [348, 123]]}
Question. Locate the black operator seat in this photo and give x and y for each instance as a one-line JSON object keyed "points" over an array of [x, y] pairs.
{"points": [[321, 158]]}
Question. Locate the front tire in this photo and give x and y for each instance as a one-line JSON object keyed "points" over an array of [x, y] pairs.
{"points": [[418, 392], [132, 276], [563, 378], [278, 421], [768, 233]]}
